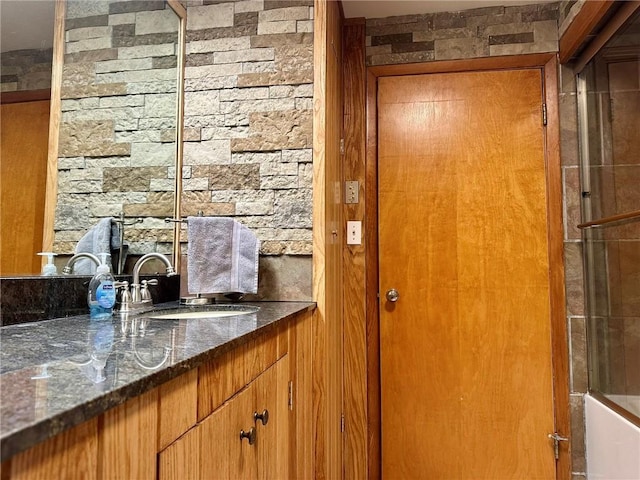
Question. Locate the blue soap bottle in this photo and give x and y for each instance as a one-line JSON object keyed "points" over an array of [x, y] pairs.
{"points": [[102, 293]]}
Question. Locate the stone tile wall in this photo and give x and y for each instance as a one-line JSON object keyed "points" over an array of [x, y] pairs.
{"points": [[498, 31], [480, 32], [25, 70], [117, 133], [248, 129]]}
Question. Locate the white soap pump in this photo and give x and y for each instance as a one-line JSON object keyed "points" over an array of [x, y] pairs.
{"points": [[49, 268]]}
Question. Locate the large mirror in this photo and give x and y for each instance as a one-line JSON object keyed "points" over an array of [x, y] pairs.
{"points": [[116, 113]]}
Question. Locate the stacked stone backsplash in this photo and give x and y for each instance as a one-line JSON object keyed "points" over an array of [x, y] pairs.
{"points": [[26, 70], [248, 129], [117, 134], [480, 32]]}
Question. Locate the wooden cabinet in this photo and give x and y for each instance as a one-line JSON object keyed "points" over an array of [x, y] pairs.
{"points": [[189, 427], [214, 447]]}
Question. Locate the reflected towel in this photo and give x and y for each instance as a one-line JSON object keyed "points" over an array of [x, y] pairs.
{"points": [[223, 256], [104, 237]]}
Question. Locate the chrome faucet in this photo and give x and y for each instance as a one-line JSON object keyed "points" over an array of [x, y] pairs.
{"points": [[139, 298], [68, 268]]}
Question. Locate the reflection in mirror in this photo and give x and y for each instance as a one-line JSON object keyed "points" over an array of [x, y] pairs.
{"points": [[26, 43], [117, 144]]}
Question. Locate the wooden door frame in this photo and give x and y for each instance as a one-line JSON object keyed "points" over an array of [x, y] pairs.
{"points": [[547, 63]]}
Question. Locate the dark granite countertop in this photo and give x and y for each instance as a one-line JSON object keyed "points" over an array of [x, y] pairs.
{"points": [[58, 373]]}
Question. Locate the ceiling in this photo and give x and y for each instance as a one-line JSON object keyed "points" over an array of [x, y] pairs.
{"points": [[27, 24]]}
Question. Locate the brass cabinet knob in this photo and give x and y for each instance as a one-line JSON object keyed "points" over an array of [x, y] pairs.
{"points": [[263, 417], [250, 435]]}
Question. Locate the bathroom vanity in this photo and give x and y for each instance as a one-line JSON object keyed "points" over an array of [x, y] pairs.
{"points": [[190, 395]]}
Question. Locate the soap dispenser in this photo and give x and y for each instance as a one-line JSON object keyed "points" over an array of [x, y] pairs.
{"points": [[49, 268], [102, 293]]}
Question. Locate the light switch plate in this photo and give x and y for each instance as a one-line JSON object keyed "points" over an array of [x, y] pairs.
{"points": [[354, 233], [351, 191]]}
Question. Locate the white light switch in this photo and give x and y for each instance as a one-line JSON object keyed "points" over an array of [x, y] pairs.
{"points": [[354, 233]]}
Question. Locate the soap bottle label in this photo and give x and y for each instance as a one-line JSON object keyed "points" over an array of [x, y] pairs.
{"points": [[106, 294]]}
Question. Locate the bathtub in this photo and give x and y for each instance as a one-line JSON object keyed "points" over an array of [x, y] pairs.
{"points": [[612, 442]]}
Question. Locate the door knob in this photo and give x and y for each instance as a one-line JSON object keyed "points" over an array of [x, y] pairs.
{"points": [[393, 295]]}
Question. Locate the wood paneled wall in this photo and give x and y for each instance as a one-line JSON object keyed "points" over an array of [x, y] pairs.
{"points": [[328, 238], [355, 334]]}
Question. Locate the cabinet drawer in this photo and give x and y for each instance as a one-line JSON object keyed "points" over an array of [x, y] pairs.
{"points": [[222, 377]]}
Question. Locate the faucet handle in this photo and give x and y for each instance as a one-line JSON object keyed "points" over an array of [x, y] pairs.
{"points": [[145, 294], [125, 295]]}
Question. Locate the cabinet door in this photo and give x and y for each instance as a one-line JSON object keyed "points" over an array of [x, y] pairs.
{"points": [[127, 439], [223, 453], [181, 459], [272, 445]]}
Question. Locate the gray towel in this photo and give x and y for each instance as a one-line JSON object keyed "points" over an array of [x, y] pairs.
{"points": [[102, 238], [223, 256]]}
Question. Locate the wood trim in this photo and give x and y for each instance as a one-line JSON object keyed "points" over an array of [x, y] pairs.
{"points": [[371, 262], [51, 196], [557, 307], [582, 25], [354, 311], [625, 12], [320, 241], [350, 22], [548, 64], [452, 66], [21, 96], [328, 237]]}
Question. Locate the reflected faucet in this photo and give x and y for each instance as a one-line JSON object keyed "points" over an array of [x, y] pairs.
{"points": [[140, 297], [68, 268]]}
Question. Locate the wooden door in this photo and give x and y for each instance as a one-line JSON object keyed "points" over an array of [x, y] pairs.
{"points": [[466, 376], [24, 144]]}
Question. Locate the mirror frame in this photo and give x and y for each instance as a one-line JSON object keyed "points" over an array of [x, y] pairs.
{"points": [[51, 194]]}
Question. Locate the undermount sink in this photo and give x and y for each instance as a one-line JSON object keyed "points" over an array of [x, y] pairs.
{"points": [[211, 312]]}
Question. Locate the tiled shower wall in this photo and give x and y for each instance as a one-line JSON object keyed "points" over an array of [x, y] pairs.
{"points": [[498, 31], [248, 129]]}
